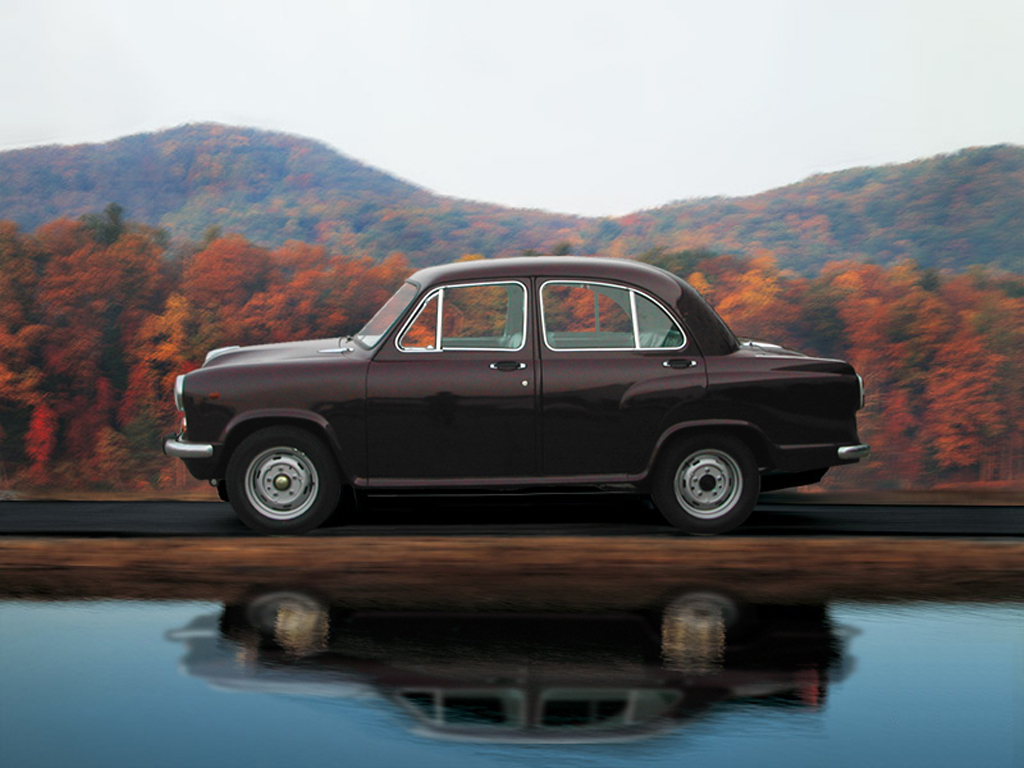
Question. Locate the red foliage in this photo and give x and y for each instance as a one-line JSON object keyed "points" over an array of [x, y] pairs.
{"points": [[93, 333], [41, 440]]}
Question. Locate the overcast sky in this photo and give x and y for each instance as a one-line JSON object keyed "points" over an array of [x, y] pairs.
{"points": [[583, 107]]}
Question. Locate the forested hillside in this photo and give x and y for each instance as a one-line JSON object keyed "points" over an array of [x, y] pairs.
{"points": [[946, 212], [97, 317], [269, 187]]}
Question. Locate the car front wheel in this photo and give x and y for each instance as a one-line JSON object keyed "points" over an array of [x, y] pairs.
{"points": [[707, 484], [283, 480]]}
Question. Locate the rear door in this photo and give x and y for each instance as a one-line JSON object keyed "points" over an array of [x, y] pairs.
{"points": [[617, 369]]}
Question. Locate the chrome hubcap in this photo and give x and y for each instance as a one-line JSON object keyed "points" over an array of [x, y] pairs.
{"points": [[708, 484], [281, 483]]}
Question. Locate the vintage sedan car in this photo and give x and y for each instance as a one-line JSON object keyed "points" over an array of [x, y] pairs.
{"points": [[519, 373]]}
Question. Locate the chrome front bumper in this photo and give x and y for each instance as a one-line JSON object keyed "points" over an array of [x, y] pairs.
{"points": [[182, 449], [854, 452]]}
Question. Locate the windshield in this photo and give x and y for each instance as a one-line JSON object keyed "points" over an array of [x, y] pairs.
{"points": [[386, 316]]}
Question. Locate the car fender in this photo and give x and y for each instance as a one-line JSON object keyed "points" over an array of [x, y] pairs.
{"points": [[244, 424], [750, 433]]}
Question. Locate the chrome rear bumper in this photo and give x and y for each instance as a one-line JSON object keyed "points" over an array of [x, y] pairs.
{"points": [[854, 452], [182, 449]]}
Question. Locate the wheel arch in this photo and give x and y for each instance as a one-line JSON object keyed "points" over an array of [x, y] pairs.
{"points": [[749, 434], [249, 423]]}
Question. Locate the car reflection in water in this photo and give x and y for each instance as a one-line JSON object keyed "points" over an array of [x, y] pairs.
{"points": [[526, 676]]}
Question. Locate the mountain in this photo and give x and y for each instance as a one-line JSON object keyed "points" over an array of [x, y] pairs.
{"points": [[158, 175], [270, 187], [950, 211]]}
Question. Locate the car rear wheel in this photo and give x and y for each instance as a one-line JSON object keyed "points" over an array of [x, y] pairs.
{"points": [[283, 480], [707, 484]]}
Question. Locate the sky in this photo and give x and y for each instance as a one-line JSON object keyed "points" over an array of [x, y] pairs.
{"points": [[595, 108]]}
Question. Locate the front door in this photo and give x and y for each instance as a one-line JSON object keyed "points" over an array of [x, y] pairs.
{"points": [[452, 397]]}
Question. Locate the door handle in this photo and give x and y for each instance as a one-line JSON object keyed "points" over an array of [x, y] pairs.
{"points": [[679, 363], [507, 365]]}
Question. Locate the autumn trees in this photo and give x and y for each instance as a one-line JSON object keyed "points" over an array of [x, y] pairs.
{"points": [[942, 356], [97, 318], [98, 315]]}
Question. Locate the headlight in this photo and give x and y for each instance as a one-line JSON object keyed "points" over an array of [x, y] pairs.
{"points": [[179, 393]]}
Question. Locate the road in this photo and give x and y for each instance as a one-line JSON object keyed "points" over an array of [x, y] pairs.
{"points": [[601, 552], [506, 516]]}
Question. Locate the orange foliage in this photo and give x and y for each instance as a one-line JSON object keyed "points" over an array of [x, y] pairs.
{"points": [[93, 332], [41, 440]]}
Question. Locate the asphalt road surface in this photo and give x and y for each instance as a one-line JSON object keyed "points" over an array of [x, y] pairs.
{"points": [[505, 516]]}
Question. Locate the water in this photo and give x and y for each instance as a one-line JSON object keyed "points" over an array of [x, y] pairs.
{"points": [[707, 676]]}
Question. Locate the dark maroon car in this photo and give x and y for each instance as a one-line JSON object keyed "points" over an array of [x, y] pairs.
{"points": [[520, 373]]}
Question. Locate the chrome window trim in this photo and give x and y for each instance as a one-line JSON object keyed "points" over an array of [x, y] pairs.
{"points": [[438, 322], [636, 320], [438, 342], [633, 292], [668, 314], [416, 316]]}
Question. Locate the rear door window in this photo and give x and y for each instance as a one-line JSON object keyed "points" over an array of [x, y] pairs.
{"points": [[596, 316]]}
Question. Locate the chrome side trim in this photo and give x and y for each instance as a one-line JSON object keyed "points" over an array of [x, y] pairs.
{"points": [[182, 449], [854, 452]]}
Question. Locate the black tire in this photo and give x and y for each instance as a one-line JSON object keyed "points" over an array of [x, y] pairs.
{"points": [[707, 484], [283, 480]]}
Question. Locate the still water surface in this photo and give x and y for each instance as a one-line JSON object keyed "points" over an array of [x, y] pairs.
{"points": [[287, 677]]}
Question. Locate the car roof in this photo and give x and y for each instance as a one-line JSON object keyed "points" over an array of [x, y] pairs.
{"points": [[576, 267], [713, 334]]}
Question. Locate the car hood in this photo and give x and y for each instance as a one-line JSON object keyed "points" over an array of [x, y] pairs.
{"points": [[268, 353]]}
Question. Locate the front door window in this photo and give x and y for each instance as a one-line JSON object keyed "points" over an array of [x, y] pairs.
{"points": [[472, 317]]}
